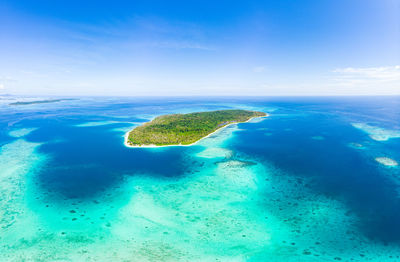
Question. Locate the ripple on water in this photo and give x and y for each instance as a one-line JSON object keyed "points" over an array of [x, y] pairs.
{"points": [[98, 123], [21, 132], [387, 161], [209, 216], [356, 145], [215, 152], [231, 210], [17, 160], [377, 133], [318, 137]]}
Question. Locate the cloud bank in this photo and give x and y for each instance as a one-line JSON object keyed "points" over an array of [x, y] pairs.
{"points": [[387, 73], [369, 80]]}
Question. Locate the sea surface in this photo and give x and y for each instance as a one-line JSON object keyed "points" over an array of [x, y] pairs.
{"points": [[317, 180]]}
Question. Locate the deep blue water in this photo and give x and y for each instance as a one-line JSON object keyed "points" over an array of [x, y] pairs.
{"points": [[86, 161], [337, 170]]}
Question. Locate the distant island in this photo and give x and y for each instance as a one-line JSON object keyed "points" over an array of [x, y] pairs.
{"points": [[39, 102], [185, 129]]}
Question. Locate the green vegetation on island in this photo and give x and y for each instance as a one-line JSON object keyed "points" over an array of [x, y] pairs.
{"points": [[185, 129]]}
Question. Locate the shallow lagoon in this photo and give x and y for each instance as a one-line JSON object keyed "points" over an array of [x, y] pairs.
{"points": [[71, 191]]}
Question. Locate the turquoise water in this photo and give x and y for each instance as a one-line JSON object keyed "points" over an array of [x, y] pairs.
{"points": [[301, 185]]}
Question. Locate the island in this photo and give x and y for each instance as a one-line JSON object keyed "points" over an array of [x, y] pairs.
{"points": [[185, 129], [19, 103]]}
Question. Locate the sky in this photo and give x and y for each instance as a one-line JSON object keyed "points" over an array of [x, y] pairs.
{"points": [[200, 48]]}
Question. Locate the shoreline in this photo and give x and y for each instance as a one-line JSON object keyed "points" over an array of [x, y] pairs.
{"points": [[155, 146]]}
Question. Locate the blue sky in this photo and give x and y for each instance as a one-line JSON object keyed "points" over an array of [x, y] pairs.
{"points": [[320, 47]]}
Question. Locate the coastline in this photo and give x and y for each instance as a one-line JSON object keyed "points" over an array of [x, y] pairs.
{"points": [[155, 146]]}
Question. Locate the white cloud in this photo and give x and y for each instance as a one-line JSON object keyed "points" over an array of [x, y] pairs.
{"points": [[2, 87], [7, 79], [33, 74], [142, 32], [387, 73], [180, 45], [259, 69], [383, 80]]}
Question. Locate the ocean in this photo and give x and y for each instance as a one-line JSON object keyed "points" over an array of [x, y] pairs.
{"points": [[317, 180]]}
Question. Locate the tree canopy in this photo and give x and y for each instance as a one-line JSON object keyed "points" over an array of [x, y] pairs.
{"points": [[185, 129]]}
